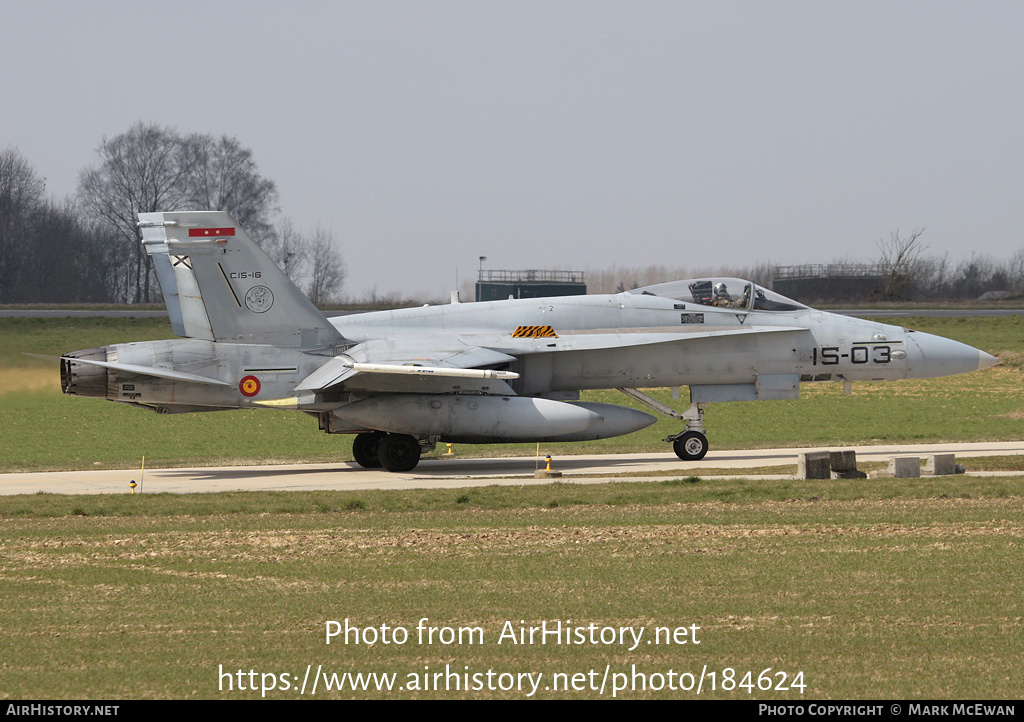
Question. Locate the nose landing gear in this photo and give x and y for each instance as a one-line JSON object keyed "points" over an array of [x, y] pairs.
{"points": [[692, 443]]}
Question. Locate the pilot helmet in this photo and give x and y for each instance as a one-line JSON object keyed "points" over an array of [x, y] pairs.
{"points": [[720, 289]]}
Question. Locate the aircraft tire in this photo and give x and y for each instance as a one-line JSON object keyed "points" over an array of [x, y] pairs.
{"points": [[399, 452], [691, 446], [366, 449]]}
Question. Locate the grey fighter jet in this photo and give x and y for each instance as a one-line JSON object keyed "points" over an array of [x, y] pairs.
{"points": [[499, 371]]}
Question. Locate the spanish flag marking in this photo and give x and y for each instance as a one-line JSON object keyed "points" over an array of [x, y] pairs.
{"points": [[210, 232], [249, 386]]}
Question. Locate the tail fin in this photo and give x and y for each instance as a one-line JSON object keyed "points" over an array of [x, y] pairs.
{"points": [[220, 286]]}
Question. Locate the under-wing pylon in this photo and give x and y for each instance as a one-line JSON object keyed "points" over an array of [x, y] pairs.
{"points": [[478, 373]]}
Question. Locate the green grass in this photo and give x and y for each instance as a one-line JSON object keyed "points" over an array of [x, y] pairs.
{"points": [[678, 489], [878, 590]]}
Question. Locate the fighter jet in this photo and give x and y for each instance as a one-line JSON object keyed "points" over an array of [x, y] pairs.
{"points": [[499, 371]]}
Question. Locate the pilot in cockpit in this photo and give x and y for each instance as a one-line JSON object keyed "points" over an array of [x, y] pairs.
{"points": [[722, 297]]}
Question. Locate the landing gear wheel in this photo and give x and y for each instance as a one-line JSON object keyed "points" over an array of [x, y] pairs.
{"points": [[365, 447], [691, 446], [399, 452]]}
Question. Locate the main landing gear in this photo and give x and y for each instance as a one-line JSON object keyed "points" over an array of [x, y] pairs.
{"points": [[394, 452], [366, 449], [689, 445]]}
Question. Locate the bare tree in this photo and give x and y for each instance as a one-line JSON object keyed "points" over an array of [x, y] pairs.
{"points": [[69, 258], [899, 260], [21, 199], [975, 276], [287, 247], [47, 253], [224, 177], [150, 168], [326, 267], [1015, 270], [310, 260], [140, 171]]}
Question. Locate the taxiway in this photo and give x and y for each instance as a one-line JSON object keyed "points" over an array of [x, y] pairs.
{"points": [[454, 472]]}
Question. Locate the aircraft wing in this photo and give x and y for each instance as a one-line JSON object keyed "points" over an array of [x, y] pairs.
{"points": [[427, 365], [414, 366]]}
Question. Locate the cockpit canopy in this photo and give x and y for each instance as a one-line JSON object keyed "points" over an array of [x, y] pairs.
{"points": [[722, 292]]}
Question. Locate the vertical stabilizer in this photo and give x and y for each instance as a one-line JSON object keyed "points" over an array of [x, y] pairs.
{"points": [[220, 286]]}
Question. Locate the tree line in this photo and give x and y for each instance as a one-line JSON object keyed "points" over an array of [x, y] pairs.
{"points": [[87, 248], [906, 271]]}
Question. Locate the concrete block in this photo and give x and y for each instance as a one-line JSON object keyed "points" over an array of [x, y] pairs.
{"points": [[905, 467], [844, 465], [546, 474], [814, 465], [940, 464], [843, 460]]}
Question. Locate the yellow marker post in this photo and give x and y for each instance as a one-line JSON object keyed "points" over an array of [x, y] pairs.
{"points": [[545, 473]]}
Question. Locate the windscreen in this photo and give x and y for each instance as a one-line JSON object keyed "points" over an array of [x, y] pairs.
{"points": [[722, 293]]}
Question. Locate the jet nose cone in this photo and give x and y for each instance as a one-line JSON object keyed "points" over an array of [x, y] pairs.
{"points": [[986, 360], [931, 356]]}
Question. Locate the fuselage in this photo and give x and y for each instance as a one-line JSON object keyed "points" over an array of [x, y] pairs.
{"points": [[574, 343], [816, 345]]}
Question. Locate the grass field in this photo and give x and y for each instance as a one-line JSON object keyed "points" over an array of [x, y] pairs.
{"points": [[896, 589]]}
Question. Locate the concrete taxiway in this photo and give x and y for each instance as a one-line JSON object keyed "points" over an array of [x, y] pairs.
{"points": [[452, 472]]}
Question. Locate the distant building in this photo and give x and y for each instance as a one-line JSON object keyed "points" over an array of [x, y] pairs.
{"points": [[499, 285], [832, 281]]}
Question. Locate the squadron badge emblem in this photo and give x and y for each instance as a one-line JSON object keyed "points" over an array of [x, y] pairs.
{"points": [[259, 299]]}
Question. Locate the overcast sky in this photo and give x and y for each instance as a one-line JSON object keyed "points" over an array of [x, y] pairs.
{"points": [[558, 134]]}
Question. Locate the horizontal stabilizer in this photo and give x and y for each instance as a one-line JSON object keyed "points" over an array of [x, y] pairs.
{"points": [[332, 373]]}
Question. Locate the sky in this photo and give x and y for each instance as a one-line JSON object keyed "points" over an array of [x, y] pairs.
{"points": [[557, 134]]}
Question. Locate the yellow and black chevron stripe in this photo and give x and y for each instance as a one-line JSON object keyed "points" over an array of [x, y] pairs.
{"points": [[534, 332]]}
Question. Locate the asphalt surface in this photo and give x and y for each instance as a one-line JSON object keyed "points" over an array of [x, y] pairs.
{"points": [[453, 473]]}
